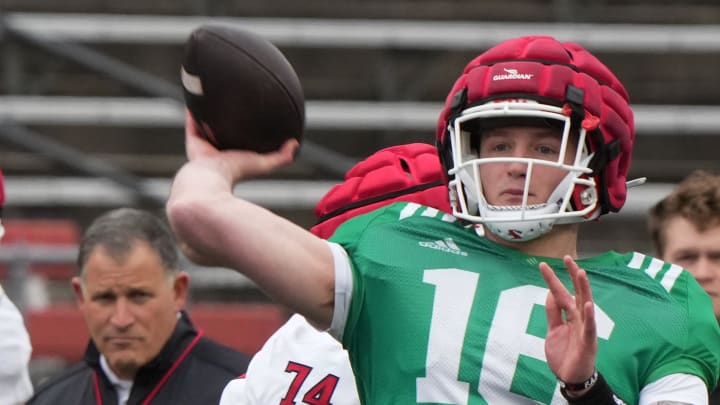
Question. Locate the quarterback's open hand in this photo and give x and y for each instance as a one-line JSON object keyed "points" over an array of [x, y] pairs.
{"points": [[571, 342]]}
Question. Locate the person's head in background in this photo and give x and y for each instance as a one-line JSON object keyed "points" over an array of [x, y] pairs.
{"points": [[129, 287], [685, 230]]}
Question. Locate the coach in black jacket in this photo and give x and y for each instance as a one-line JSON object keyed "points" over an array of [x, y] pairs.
{"points": [[143, 348]]}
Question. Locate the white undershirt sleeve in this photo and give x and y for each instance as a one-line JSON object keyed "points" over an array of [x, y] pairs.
{"points": [[343, 290], [683, 388]]}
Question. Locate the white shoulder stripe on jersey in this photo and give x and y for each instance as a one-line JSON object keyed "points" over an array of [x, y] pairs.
{"points": [[671, 276], [637, 260], [654, 268], [412, 209], [409, 210], [430, 212], [448, 218]]}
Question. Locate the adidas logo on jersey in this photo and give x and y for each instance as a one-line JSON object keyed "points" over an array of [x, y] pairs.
{"points": [[446, 245]]}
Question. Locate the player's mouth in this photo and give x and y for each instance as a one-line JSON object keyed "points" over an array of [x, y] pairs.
{"points": [[514, 196]]}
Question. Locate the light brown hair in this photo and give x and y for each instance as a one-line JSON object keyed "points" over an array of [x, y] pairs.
{"points": [[697, 199]]}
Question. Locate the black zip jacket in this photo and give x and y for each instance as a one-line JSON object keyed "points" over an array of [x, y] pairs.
{"points": [[191, 369]]}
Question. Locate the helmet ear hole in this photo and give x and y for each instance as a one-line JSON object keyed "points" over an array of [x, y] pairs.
{"points": [[603, 155], [405, 167], [445, 154]]}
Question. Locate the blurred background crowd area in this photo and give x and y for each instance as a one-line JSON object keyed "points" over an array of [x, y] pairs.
{"points": [[91, 118]]}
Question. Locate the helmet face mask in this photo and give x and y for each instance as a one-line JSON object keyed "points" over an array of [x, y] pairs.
{"points": [[527, 220], [537, 82]]}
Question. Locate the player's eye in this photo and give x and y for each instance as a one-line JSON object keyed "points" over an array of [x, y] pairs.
{"points": [[546, 150]]}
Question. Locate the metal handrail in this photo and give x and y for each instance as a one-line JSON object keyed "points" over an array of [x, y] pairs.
{"points": [[274, 194], [371, 33], [339, 114]]}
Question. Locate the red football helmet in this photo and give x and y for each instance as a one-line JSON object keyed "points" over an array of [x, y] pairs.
{"points": [[532, 81], [410, 172]]}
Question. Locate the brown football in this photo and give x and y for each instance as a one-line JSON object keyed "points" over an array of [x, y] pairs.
{"points": [[241, 90]]}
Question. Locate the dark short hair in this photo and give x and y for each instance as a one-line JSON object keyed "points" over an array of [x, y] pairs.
{"points": [[117, 230], [697, 199]]}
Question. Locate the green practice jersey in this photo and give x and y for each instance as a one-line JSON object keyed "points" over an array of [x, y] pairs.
{"points": [[440, 315]]}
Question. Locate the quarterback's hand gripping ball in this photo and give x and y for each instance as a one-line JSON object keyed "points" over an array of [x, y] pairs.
{"points": [[240, 90]]}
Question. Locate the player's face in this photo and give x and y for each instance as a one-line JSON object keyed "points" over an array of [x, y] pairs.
{"points": [[130, 307], [504, 183], [698, 252]]}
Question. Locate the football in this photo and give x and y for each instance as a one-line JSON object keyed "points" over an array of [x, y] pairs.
{"points": [[241, 90]]}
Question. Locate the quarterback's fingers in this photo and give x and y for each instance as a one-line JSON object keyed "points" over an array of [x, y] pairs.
{"points": [[553, 312], [562, 296], [581, 284], [575, 271], [284, 155], [583, 300], [590, 329], [288, 150], [191, 127], [195, 145], [247, 164]]}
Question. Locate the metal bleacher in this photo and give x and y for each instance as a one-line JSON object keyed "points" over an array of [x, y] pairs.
{"points": [[91, 108]]}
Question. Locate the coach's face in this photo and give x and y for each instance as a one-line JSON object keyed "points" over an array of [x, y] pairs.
{"points": [[130, 305]]}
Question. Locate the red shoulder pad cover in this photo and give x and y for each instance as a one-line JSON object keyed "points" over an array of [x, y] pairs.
{"points": [[409, 172]]}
